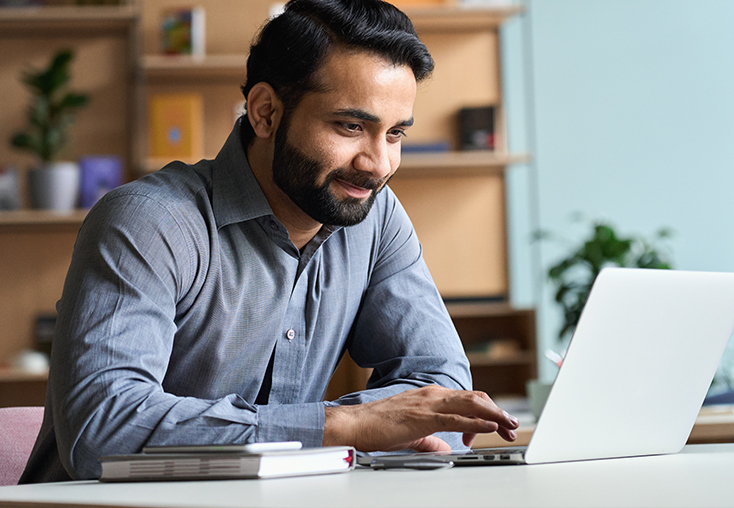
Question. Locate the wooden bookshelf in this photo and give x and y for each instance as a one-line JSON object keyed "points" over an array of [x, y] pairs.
{"points": [[34, 218], [457, 18], [20, 388], [66, 19], [164, 67], [480, 162], [455, 199], [36, 245], [480, 323]]}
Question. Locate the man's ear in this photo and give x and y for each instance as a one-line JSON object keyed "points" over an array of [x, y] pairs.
{"points": [[264, 110]]}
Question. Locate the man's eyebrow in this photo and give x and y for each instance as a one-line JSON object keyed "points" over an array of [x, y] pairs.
{"points": [[368, 117]]}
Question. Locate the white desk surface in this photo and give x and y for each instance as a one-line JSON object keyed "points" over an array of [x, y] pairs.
{"points": [[701, 475]]}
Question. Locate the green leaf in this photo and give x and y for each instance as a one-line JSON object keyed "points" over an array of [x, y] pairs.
{"points": [[50, 111], [73, 100], [573, 276], [22, 140]]}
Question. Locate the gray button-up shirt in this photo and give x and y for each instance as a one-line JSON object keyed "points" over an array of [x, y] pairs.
{"points": [[183, 285]]}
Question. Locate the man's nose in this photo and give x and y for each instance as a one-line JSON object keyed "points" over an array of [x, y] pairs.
{"points": [[376, 158]]}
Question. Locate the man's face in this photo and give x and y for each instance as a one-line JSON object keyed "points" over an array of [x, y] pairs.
{"points": [[338, 148]]}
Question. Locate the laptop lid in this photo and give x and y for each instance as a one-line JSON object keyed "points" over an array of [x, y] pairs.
{"points": [[638, 366]]}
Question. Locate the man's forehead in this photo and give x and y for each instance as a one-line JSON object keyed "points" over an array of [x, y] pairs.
{"points": [[354, 84], [345, 66]]}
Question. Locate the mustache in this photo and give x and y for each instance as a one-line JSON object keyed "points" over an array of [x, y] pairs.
{"points": [[358, 179]]}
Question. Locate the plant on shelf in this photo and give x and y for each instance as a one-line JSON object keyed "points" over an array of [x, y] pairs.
{"points": [[50, 115], [573, 276]]}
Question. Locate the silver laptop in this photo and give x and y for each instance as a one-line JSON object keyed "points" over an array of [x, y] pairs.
{"points": [[636, 372]]}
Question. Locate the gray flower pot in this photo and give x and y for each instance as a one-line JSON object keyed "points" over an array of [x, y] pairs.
{"points": [[54, 186]]}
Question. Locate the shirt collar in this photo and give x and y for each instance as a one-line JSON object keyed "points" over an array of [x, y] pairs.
{"points": [[236, 195]]}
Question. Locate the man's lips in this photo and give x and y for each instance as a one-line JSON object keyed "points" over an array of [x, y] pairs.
{"points": [[353, 190]]}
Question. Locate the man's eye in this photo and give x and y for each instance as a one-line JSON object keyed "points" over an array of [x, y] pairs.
{"points": [[398, 134], [351, 127]]}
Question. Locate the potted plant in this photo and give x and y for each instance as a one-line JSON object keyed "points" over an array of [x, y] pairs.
{"points": [[574, 275], [53, 184]]}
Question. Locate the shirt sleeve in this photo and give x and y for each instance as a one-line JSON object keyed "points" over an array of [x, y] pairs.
{"points": [[403, 331], [114, 336]]}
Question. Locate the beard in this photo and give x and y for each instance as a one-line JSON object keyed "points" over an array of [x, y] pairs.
{"points": [[297, 175]]}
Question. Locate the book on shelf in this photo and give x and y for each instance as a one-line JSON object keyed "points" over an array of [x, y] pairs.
{"points": [[99, 175], [222, 465], [476, 127], [175, 126], [183, 31], [437, 146]]}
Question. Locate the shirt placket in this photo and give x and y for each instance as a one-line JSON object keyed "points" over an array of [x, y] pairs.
{"points": [[290, 352]]}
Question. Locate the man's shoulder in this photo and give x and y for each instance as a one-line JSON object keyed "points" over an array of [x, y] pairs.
{"points": [[177, 181], [179, 193]]}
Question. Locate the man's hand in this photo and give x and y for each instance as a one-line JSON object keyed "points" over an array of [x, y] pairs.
{"points": [[409, 419]]}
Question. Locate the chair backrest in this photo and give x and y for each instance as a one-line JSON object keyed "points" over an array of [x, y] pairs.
{"points": [[19, 427]]}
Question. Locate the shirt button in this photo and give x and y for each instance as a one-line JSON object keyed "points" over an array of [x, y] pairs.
{"points": [[273, 225], [290, 334]]}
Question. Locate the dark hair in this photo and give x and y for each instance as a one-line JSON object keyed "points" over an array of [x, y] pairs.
{"points": [[293, 46]]}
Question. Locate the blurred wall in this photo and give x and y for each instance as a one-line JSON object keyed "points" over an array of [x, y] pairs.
{"points": [[628, 109]]}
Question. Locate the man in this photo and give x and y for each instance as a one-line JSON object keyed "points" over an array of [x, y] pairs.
{"points": [[211, 303]]}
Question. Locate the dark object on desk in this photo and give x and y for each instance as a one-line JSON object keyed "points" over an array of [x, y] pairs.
{"points": [[45, 326], [721, 398], [227, 465], [422, 464], [476, 126]]}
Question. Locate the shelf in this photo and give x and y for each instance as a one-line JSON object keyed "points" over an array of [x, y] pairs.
{"points": [[460, 18], [483, 309], [519, 358], [480, 162], [192, 68], [475, 162], [23, 218], [10, 375], [88, 19]]}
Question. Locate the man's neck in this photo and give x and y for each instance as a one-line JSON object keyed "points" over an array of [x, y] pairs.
{"points": [[301, 227]]}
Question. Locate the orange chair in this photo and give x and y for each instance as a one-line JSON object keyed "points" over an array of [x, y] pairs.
{"points": [[19, 428]]}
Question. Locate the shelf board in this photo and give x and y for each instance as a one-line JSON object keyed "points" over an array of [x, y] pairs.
{"points": [[457, 163], [17, 218], [11, 375], [191, 67], [483, 309], [70, 19], [460, 18], [479, 162], [483, 360]]}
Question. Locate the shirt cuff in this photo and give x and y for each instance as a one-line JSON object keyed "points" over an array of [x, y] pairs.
{"points": [[292, 422]]}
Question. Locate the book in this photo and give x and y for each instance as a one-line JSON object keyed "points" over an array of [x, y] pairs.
{"points": [[99, 175], [438, 146], [476, 127], [215, 465], [183, 31], [175, 126]]}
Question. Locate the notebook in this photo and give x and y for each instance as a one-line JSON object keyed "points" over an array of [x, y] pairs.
{"points": [[636, 372]]}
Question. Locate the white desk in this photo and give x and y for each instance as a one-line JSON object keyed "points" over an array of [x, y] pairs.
{"points": [[701, 475]]}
